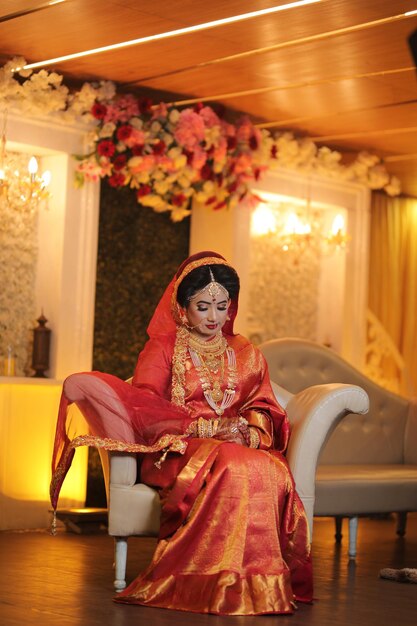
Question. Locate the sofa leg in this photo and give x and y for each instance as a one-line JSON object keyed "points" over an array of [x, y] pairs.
{"points": [[401, 523], [353, 533], [120, 558], [338, 520]]}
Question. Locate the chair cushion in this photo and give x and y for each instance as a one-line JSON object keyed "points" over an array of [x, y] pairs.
{"points": [[355, 489], [134, 511]]}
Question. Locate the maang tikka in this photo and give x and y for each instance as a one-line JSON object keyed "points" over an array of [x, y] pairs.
{"points": [[214, 289]]}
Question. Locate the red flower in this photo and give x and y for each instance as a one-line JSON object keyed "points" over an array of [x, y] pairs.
{"points": [[143, 190], [119, 162], [124, 132], [159, 148], [106, 148], [179, 199], [197, 107], [145, 105], [274, 152], [232, 187], [117, 180], [253, 143], [98, 110], [189, 156], [231, 143], [137, 149], [206, 172]]}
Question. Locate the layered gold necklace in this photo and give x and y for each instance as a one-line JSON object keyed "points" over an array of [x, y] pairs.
{"points": [[208, 358]]}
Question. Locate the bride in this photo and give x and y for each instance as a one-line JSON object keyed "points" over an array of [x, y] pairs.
{"points": [[234, 536]]}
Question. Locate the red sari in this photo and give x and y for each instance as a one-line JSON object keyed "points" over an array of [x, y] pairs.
{"points": [[234, 535]]}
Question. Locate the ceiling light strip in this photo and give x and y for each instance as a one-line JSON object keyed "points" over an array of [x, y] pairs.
{"points": [[279, 46], [39, 7], [311, 83], [174, 33]]}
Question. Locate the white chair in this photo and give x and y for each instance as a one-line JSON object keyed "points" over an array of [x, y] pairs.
{"points": [[134, 508], [369, 464]]}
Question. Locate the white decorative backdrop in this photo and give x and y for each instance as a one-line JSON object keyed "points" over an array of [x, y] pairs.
{"points": [[18, 261], [283, 294]]}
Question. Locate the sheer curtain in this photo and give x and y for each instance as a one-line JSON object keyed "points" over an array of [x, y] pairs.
{"points": [[393, 274]]}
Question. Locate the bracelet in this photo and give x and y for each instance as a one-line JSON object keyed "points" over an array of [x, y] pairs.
{"points": [[207, 428]]}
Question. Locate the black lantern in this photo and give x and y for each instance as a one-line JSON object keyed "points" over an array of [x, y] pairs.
{"points": [[41, 343]]}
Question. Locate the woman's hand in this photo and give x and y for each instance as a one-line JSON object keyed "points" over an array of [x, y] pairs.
{"points": [[232, 430]]}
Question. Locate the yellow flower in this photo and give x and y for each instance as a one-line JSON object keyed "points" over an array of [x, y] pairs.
{"points": [[174, 116], [161, 187], [154, 201], [178, 214]]}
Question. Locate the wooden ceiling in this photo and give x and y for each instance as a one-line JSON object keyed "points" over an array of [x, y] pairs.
{"points": [[339, 71]]}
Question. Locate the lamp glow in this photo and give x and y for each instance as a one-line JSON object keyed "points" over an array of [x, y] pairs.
{"points": [[263, 221], [33, 166]]}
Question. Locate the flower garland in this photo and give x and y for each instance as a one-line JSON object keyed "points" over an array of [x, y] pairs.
{"points": [[169, 156]]}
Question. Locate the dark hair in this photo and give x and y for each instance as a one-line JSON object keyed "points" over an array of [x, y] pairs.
{"points": [[200, 277]]}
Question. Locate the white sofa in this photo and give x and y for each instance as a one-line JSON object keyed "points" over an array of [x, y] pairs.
{"points": [[369, 464]]}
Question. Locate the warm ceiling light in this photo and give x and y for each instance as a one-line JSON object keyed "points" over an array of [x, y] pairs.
{"points": [[173, 33]]}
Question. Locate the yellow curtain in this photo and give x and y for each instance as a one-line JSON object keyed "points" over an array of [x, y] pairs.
{"points": [[393, 274]]}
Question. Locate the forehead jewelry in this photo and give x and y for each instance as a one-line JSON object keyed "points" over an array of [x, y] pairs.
{"points": [[214, 289]]}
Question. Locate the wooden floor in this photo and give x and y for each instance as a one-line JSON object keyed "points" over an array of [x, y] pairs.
{"points": [[66, 580]]}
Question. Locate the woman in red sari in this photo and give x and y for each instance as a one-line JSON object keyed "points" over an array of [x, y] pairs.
{"points": [[234, 535]]}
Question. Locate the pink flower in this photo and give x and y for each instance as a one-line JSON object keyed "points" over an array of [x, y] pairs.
{"points": [[106, 148], [190, 129], [209, 117], [136, 137], [198, 158], [244, 130], [122, 109]]}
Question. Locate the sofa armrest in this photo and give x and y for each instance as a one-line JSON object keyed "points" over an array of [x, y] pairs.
{"points": [[314, 413], [123, 469]]}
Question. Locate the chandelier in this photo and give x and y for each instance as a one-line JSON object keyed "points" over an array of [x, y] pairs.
{"points": [[23, 190], [298, 228]]}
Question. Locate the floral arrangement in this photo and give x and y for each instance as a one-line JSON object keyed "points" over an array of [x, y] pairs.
{"points": [[168, 156]]}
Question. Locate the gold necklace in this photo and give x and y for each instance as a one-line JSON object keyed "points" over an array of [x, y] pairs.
{"points": [[211, 387], [210, 349]]}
